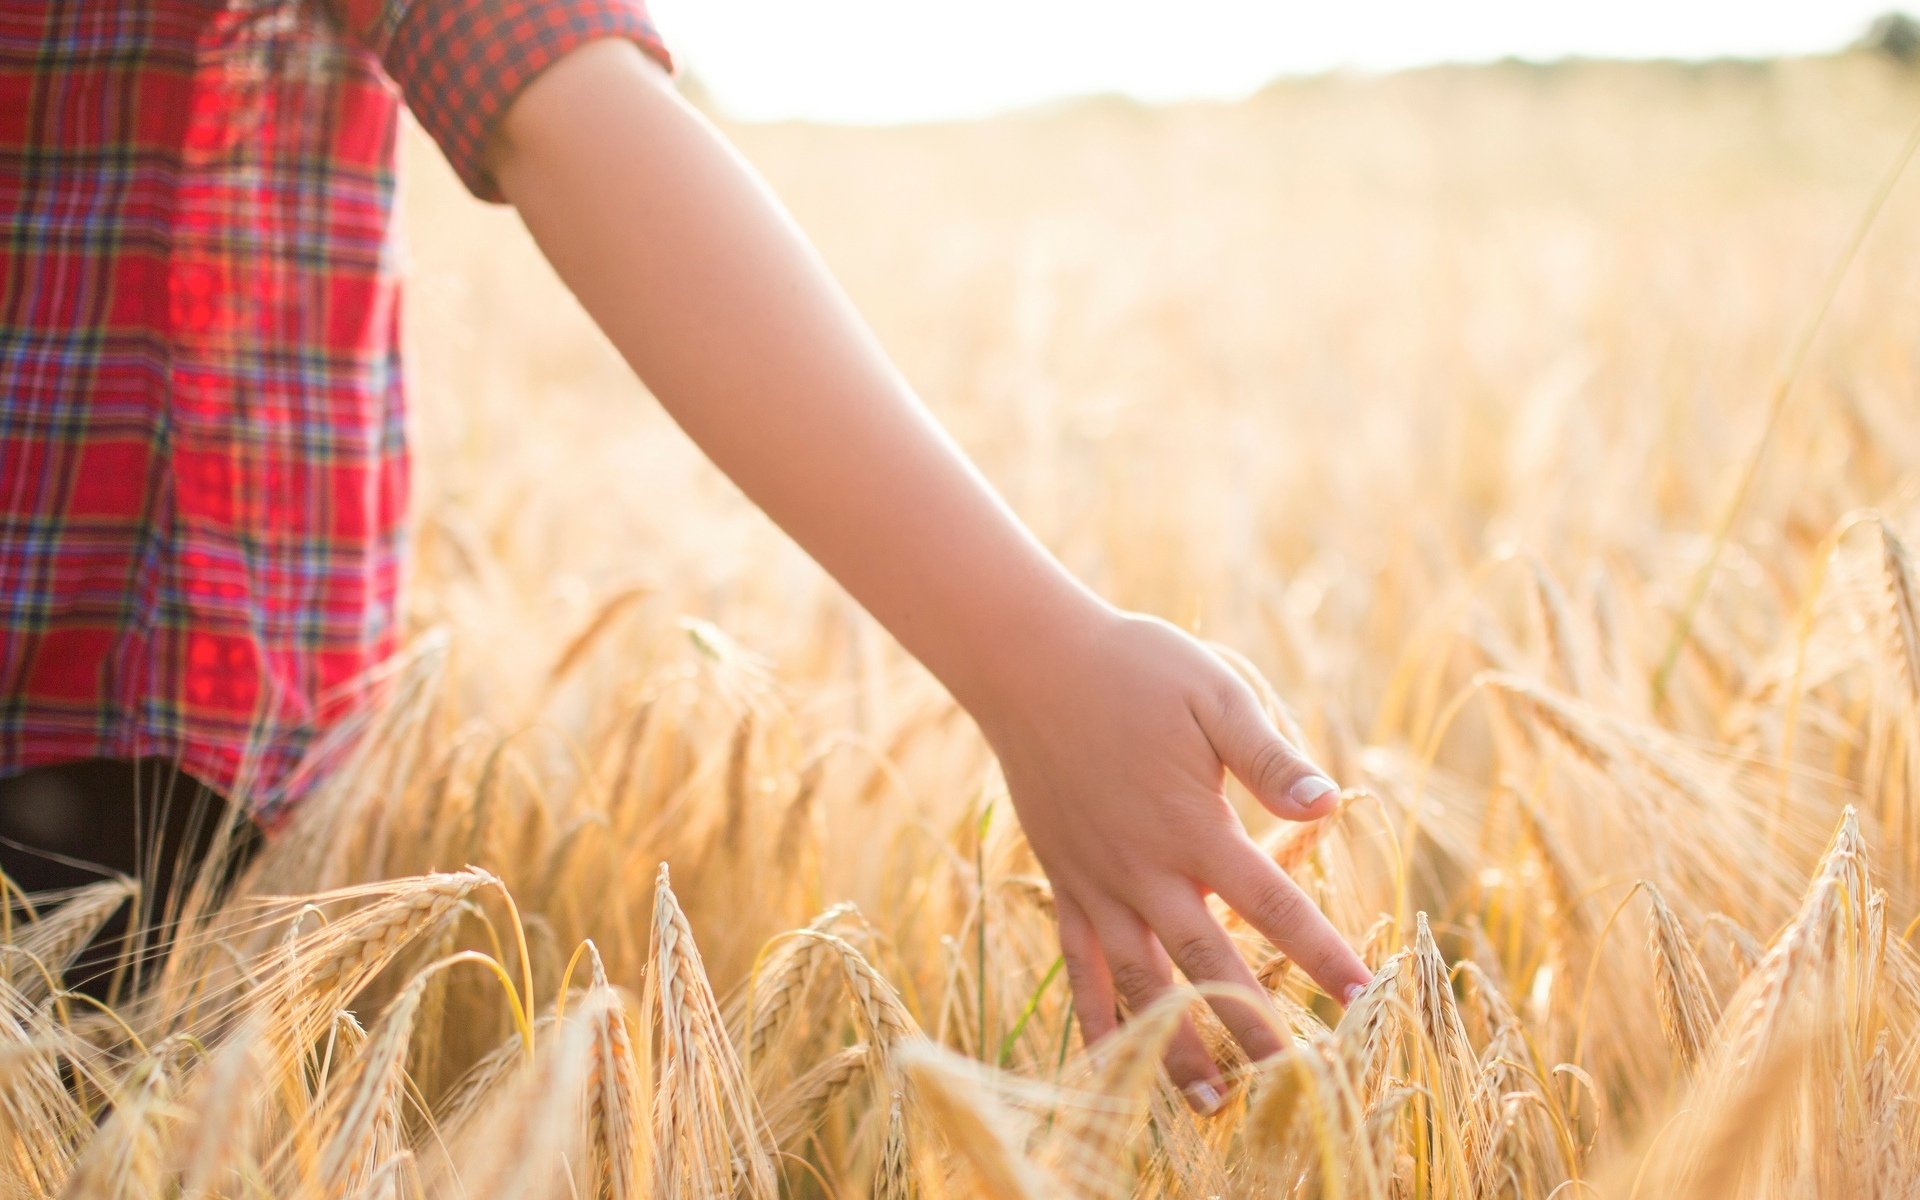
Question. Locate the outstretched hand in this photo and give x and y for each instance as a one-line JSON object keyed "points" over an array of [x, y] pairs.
{"points": [[1115, 757]]}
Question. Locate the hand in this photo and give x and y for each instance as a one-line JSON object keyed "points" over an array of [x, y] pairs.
{"points": [[1115, 751]]}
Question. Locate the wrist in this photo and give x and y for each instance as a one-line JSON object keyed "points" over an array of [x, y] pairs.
{"points": [[1023, 655]]}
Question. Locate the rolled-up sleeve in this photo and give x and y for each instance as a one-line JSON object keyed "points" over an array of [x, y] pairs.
{"points": [[460, 63]]}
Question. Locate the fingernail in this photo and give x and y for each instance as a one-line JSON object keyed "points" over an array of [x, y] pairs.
{"points": [[1353, 993], [1310, 789], [1202, 1098]]}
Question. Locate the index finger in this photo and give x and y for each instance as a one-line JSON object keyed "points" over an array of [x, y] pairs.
{"points": [[1271, 902]]}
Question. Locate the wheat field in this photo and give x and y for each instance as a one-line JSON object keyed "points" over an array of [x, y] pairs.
{"points": [[1446, 399]]}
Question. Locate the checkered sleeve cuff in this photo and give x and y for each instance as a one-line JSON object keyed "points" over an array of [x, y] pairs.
{"points": [[460, 63]]}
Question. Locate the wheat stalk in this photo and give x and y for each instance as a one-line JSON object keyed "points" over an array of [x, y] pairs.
{"points": [[42, 950], [1903, 594], [615, 1092], [778, 989], [1687, 1008], [355, 1121], [708, 1137], [893, 1178], [1556, 616], [795, 1110]]}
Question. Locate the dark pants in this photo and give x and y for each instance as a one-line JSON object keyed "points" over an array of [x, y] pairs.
{"points": [[66, 826]]}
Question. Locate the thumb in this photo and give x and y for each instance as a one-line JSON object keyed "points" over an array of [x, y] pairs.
{"points": [[1274, 770]]}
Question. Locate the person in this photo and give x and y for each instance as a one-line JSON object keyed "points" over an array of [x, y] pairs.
{"points": [[203, 472]]}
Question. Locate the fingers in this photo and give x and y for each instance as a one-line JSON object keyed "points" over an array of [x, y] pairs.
{"points": [[1087, 976], [1278, 774], [1272, 903], [1205, 954], [1141, 974]]}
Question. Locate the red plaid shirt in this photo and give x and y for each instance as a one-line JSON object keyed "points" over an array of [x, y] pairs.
{"points": [[203, 468]]}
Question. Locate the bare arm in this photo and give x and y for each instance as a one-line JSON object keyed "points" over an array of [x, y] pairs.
{"points": [[1113, 730], [698, 276]]}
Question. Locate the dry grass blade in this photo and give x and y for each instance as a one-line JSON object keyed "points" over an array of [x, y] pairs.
{"points": [[366, 1099], [488, 1077], [609, 612], [1718, 1152], [949, 1092], [1279, 1094], [1098, 1114], [127, 1159], [40, 1113], [218, 1141], [739, 788], [526, 1138]]}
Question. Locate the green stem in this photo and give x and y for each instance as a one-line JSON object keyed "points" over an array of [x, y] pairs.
{"points": [[1782, 389]]}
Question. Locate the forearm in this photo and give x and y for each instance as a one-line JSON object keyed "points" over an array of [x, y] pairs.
{"points": [[694, 271]]}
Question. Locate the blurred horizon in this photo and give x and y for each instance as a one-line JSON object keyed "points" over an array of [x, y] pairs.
{"points": [[882, 62]]}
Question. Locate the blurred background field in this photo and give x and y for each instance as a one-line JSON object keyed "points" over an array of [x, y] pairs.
{"points": [[1323, 353], [1568, 285], [1426, 393], [1387, 382]]}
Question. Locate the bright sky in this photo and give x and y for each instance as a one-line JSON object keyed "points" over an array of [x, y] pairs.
{"points": [[905, 60]]}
